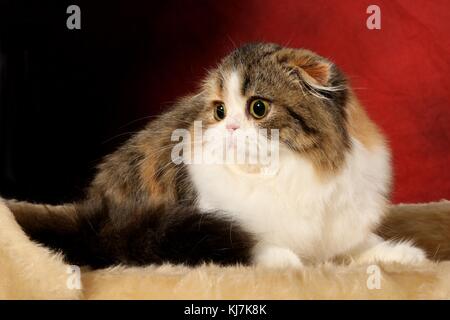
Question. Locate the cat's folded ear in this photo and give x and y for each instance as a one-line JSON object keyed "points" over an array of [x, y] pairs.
{"points": [[312, 68]]}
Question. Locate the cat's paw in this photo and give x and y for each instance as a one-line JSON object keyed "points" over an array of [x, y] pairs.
{"points": [[276, 257], [402, 252]]}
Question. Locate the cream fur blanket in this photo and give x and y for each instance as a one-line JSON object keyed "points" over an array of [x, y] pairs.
{"points": [[30, 271]]}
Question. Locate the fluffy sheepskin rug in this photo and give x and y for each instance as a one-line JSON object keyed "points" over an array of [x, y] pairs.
{"points": [[30, 271]]}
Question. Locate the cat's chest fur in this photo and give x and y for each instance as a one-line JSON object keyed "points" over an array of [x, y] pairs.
{"points": [[316, 217]]}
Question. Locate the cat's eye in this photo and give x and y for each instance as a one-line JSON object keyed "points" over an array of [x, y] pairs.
{"points": [[219, 111], [259, 108]]}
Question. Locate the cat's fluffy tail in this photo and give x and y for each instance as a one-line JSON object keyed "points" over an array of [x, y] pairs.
{"points": [[427, 225], [86, 234]]}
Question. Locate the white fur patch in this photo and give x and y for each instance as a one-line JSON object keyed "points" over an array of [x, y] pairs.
{"points": [[276, 257], [378, 250], [296, 210], [234, 100]]}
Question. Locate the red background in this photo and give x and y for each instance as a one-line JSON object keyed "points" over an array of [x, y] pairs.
{"points": [[70, 97], [401, 73]]}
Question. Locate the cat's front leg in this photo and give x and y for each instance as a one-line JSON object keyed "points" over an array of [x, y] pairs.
{"points": [[272, 256], [376, 249]]}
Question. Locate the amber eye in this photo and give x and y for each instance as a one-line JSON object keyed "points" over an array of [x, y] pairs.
{"points": [[259, 108], [220, 112]]}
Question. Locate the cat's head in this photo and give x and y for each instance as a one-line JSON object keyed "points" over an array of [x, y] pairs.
{"points": [[294, 91]]}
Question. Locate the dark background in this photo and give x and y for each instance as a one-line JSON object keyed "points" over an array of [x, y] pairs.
{"points": [[69, 97]]}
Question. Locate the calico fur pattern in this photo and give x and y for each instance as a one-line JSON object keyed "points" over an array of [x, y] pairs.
{"points": [[326, 200]]}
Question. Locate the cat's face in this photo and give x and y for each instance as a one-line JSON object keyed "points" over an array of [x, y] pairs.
{"points": [[263, 87]]}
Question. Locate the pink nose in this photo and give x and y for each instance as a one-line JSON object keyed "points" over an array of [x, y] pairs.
{"points": [[232, 126]]}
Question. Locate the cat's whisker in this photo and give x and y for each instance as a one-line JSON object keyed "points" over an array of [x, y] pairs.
{"points": [[140, 119], [119, 135]]}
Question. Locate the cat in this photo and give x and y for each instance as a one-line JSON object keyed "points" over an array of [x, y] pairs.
{"points": [[323, 198]]}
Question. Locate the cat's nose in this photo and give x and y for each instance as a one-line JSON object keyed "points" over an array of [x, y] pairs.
{"points": [[232, 126]]}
